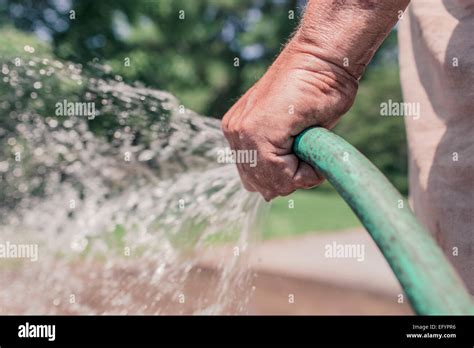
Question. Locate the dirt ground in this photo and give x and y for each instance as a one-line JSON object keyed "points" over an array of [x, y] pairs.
{"points": [[265, 294], [282, 277]]}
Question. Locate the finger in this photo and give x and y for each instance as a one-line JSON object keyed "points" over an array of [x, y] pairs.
{"points": [[232, 140], [246, 181], [248, 186], [267, 195], [254, 179], [235, 119], [273, 177]]}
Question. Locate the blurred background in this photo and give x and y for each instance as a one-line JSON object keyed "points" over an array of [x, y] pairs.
{"points": [[188, 49]]}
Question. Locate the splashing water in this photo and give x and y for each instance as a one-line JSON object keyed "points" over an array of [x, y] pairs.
{"points": [[118, 216]]}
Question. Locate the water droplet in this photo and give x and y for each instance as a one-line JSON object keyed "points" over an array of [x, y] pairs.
{"points": [[29, 49], [53, 123], [22, 187], [4, 166]]}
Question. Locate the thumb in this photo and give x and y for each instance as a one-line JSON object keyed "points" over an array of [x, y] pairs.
{"points": [[306, 176]]}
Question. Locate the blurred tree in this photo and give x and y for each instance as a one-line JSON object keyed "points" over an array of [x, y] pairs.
{"points": [[190, 48], [381, 139]]}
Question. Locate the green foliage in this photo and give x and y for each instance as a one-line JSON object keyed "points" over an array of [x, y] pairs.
{"points": [[193, 57], [13, 43], [185, 47]]}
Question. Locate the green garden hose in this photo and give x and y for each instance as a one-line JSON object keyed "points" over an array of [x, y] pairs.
{"points": [[428, 279]]}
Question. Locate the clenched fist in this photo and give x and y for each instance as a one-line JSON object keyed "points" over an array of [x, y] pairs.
{"points": [[313, 82], [298, 91]]}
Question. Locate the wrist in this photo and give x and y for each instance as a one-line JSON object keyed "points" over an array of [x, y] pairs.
{"points": [[347, 34], [337, 59], [319, 90], [310, 57]]}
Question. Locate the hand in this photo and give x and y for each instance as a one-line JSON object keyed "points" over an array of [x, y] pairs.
{"points": [[298, 91]]}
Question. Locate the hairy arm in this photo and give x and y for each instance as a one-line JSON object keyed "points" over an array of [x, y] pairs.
{"points": [[313, 82], [347, 33]]}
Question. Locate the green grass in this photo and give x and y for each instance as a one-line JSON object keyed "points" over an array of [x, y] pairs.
{"points": [[320, 210]]}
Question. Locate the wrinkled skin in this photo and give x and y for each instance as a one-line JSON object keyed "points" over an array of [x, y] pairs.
{"points": [[313, 82], [298, 91]]}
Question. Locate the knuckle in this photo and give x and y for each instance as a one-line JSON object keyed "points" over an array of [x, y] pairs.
{"points": [[225, 124], [224, 127], [245, 128], [267, 196]]}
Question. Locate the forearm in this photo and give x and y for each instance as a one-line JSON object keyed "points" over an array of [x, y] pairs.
{"points": [[346, 33]]}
